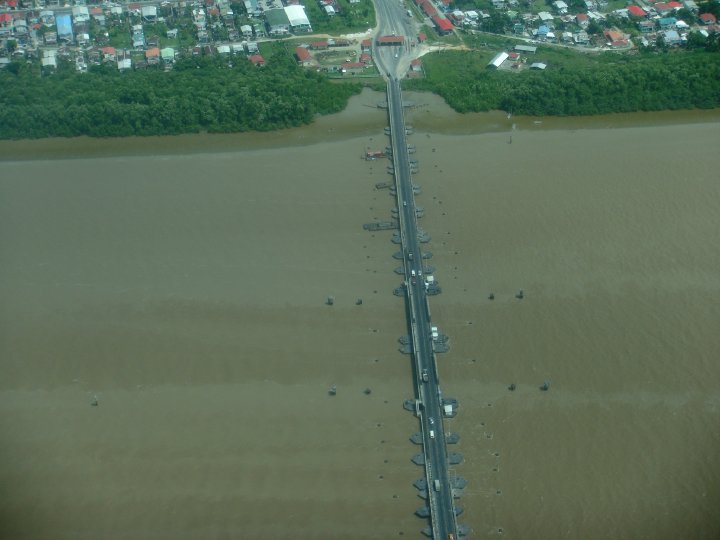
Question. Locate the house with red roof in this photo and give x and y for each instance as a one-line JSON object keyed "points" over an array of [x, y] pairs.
{"points": [[665, 8], [613, 34], [442, 25], [366, 45], [6, 20], [319, 45], [257, 60], [637, 11], [152, 55], [366, 59], [582, 19], [422, 38], [303, 56], [707, 18], [352, 67], [109, 54]]}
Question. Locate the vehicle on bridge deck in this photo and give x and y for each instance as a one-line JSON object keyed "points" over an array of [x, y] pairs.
{"points": [[425, 375], [437, 484]]}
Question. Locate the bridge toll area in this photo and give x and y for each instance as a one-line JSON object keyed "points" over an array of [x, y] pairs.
{"points": [[440, 486]]}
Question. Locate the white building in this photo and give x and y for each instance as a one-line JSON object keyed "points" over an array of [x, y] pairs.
{"points": [[80, 14], [149, 13], [498, 60], [298, 20]]}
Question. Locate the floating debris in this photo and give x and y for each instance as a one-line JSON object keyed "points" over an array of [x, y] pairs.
{"points": [[545, 386], [520, 295], [512, 387], [367, 391], [94, 402], [330, 301], [333, 390], [358, 302], [491, 296]]}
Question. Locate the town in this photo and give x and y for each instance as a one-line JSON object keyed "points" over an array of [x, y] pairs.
{"points": [[133, 36]]}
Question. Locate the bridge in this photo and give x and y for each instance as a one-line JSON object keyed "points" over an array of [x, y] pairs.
{"points": [[422, 336]]}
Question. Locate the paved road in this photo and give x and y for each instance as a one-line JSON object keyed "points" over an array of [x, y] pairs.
{"points": [[392, 19]]}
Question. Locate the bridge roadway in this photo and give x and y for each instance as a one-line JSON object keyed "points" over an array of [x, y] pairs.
{"points": [[441, 504]]}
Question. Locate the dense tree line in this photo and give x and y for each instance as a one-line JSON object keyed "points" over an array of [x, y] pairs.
{"points": [[201, 94], [648, 82]]}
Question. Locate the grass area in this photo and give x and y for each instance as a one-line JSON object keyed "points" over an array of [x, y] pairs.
{"points": [[335, 57], [351, 18]]}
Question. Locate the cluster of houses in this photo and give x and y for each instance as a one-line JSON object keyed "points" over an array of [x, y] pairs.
{"points": [[559, 25], [81, 34]]}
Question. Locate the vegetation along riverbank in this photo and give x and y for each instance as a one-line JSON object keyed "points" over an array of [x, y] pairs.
{"points": [[200, 94], [574, 83]]}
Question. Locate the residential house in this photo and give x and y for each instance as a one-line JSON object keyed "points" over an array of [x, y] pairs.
{"points": [[416, 65], [277, 22], [252, 47], [80, 14], [172, 34], [667, 23], [581, 38], [542, 32], [149, 13], [257, 60], [672, 37], [20, 28], [246, 31], [109, 54], [6, 24], [252, 8], [666, 8], [613, 34], [124, 64], [646, 27], [351, 68], [707, 18], [366, 45], [50, 38], [637, 12], [48, 62], [303, 56], [152, 56], [545, 16], [582, 20], [366, 59], [560, 6], [47, 18], [167, 55]]}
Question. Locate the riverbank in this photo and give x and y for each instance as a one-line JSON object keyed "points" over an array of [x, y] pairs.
{"points": [[360, 118]]}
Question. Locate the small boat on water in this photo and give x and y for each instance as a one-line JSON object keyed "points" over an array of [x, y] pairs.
{"points": [[372, 155]]}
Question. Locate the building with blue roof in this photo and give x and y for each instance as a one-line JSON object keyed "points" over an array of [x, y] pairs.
{"points": [[64, 27]]}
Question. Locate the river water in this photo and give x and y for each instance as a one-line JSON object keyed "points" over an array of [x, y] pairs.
{"points": [[180, 284]]}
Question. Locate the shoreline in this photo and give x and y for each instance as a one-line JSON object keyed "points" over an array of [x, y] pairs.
{"points": [[432, 115]]}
